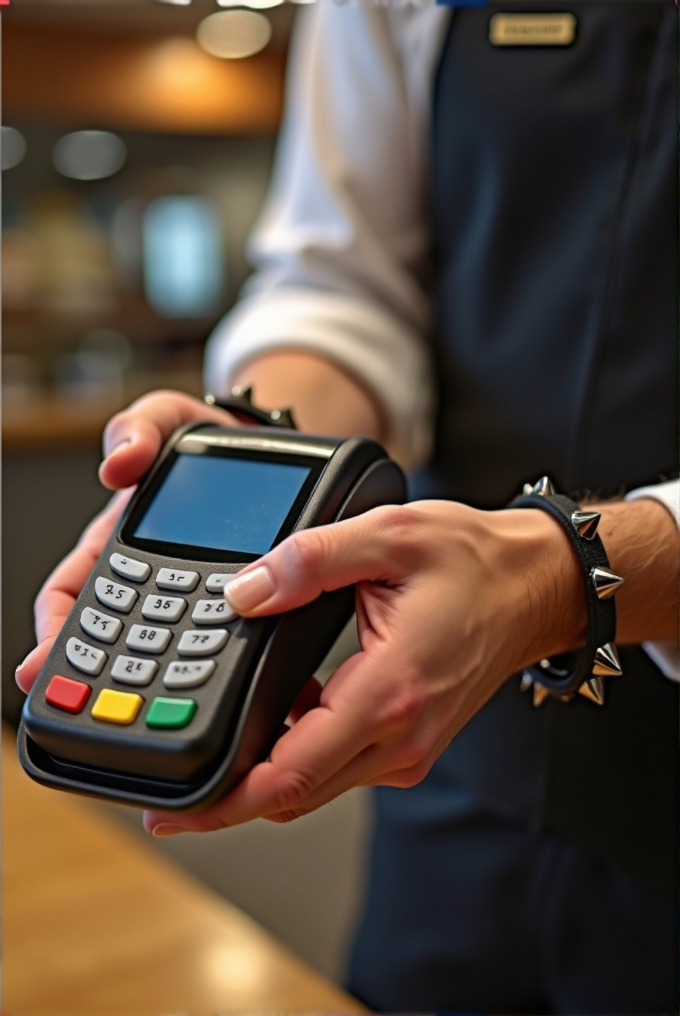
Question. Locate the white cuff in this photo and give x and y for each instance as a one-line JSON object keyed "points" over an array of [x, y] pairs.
{"points": [[666, 655], [381, 351], [668, 493]]}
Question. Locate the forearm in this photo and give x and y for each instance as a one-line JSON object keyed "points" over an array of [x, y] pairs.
{"points": [[324, 398]]}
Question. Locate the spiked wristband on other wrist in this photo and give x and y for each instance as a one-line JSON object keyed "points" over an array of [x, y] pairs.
{"points": [[582, 671], [240, 404]]}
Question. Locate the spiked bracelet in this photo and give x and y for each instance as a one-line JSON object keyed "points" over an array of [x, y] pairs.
{"points": [[240, 404], [583, 671]]}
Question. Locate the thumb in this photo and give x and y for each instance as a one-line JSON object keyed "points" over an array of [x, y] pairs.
{"points": [[369, 548], [27, 672]]}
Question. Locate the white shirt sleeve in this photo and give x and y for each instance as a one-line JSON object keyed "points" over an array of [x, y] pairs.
{"points": [[343, 244], [666, 655]]}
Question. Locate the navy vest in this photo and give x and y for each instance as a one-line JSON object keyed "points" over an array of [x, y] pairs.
{"points": [[554, 209]]}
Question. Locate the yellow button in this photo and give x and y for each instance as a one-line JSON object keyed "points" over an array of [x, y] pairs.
{"points": [[116, 706]]}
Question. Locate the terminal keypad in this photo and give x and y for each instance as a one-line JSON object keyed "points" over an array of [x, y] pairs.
{"points": [[192, 662]]}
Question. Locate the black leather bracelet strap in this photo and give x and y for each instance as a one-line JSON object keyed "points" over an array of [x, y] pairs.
{"points": [[582, 671], [240, 405]]}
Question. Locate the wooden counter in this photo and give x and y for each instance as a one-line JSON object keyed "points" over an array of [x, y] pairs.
{"points": [[96, 923]]}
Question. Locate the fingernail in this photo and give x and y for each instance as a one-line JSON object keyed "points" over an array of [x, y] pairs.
{"points": [[119, 447], [18, 677], [166, 829], [249, 590]]}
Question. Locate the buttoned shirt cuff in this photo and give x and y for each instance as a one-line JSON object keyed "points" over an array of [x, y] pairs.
{"points": [[666, 655]]}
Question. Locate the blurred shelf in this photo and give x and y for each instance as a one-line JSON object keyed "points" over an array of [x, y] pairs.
{"points": [[53, 421], [156, 83], [23, 329]]}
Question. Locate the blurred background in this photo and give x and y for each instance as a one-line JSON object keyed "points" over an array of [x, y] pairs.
{"points": [[137, 139]]}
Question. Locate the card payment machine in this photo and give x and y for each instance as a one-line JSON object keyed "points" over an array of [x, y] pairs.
{"points": [[154, 694]]}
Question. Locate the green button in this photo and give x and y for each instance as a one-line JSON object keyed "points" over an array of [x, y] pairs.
{"points": [[170, 712]]}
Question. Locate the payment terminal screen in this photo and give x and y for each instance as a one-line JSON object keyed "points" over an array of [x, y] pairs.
{"points": [[222, 504]]}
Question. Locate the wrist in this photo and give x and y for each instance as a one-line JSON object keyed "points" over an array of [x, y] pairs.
{"points": [[554, 615]]}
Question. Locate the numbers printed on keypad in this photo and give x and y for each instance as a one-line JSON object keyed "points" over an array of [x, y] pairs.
{"points": [[85, 658], [131, 670], [216, 582], [100, 626], [212, 611], [202, 643], [188, 675], [136, 571], [112, 594], [148, 640], [163, 608], [172, 578]]}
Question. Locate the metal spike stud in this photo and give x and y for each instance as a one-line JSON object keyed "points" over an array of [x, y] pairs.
{"points": [[593, 690], [286, 418], [527, 489], [243, 393], [585, 524], [540, 694], [607, 663], [544, 487], [606, 582], [526, 682]]}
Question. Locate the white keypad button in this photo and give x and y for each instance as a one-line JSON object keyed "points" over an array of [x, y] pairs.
{"points": [[128, 568], [112, 594], [188, 675], [216, 582], [170, 578], [144, 639], [84, 657], [100, 626], [212, 612], [131, 670], [163, 608], [202, 643]]}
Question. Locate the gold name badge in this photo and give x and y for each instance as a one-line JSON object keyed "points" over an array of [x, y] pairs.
{"points": [[532, 29]]}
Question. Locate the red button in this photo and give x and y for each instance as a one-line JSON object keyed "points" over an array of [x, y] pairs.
{"points": [[66, 694]]}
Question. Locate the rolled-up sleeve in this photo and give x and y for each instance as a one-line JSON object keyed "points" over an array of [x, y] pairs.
{"points": [[342, 247]]}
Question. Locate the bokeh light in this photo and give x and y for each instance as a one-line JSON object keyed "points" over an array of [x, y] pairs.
{"points": [[255, 4], [233, 35], [13, 147], [89, 155], [182, 251]]}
